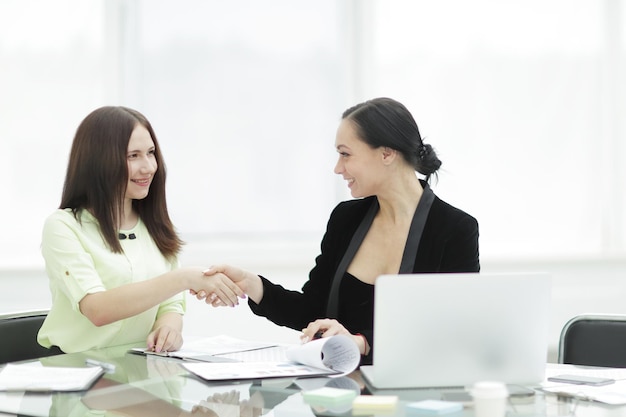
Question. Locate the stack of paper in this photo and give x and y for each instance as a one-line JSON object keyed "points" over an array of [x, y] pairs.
{"points": [[27, 377], [333, 356]]}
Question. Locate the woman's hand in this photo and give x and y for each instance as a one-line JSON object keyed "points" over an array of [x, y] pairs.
{"points": [[221, 289], [245, 281], [165, 339], [331, 327]]}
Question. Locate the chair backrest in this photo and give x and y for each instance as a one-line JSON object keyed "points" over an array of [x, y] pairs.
{"points": [[18, 332], [594, 340]]}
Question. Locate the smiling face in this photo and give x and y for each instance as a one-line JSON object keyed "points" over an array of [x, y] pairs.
{"points": [[142, 164], [359, 164]]}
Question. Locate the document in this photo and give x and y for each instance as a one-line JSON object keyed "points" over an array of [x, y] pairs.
{"points": [[332, 356], [26, 377], [210, 349]]}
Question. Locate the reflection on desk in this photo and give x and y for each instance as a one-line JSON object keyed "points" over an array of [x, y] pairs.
{"points": [[154, 386]]}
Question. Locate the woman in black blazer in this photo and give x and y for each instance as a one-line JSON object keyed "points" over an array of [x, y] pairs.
{"points": [[395, 224]]}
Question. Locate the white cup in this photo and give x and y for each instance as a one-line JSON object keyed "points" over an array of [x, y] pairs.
{"points": [[490, 398]]}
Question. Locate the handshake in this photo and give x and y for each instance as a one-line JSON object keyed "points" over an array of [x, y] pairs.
{"points": [[224, 285]]}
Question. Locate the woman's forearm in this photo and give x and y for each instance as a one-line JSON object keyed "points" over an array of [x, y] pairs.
{"points": [[125, 301]]}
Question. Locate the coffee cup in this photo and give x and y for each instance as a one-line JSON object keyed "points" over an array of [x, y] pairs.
{"points": [[490, 398]]}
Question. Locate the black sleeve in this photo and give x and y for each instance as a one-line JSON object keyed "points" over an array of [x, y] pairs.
{"points": [[296, 309]]}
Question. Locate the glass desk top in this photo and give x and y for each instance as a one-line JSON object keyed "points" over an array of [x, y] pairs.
{"points": [[155, 386]]}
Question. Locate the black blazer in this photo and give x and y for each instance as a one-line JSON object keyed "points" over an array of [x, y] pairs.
{"points": [[449, 243]]}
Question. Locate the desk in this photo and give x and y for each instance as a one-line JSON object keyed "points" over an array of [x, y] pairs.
{"points": [[160, 387]]}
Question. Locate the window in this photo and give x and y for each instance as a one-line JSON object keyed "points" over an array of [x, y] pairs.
{"points": [[522, 100]]}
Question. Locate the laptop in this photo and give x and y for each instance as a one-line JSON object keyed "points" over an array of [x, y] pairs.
{"points": [[454, 329]]}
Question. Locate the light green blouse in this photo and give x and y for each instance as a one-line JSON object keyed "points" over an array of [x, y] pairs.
{"points": [[78, 262]]}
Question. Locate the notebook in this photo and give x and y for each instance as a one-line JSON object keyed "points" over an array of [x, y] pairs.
{"points": [[445, 330]]}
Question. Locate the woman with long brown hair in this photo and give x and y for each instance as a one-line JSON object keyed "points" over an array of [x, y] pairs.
{"points": [[111, 250]]}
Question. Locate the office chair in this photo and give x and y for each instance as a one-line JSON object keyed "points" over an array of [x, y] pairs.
{"points": [[18, 332], [594, 340]]}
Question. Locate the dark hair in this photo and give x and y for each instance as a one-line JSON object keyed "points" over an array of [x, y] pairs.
{"points": [[388, 123], [97, 176]]}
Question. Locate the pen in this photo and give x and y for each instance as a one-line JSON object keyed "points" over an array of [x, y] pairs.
{"points": [[109, 367], [305, 339]]}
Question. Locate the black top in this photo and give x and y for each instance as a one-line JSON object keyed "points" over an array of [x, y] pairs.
{"points": [[449, 243], [358, 314]]}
